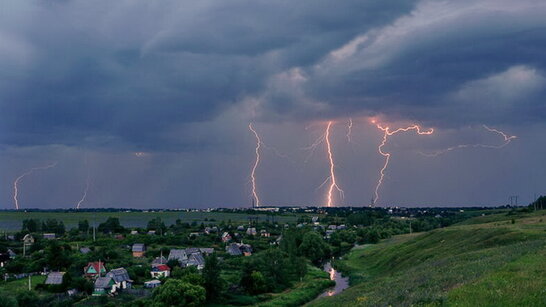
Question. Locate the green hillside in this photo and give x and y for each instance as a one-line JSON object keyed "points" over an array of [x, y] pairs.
{"points": [[497, 260]]}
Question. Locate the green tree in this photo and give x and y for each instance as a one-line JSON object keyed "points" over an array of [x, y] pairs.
{"points": [[211, 275], [178, 293], [31, 225], [314, 248], [83, 226], [111, 225]]}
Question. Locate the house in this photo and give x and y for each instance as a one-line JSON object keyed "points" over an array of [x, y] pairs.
{"points": [[206, 250], [251, 231], [233, 249], [314, 219], [134, 232], [138, 250], [121, 279], [159, 260], [152, 284], [226, 237], [28, 239], [195, 259], [341, 227], [85, 250], [49, 236], [246, 249], [207, 230], [94, 269], [241, 228], [178, 254], [237, 249], [194, 234], [160, 270], [332, 227], [192, 256], [11, 254], [151, 232], [103, 286], [119, 237], [54, 278], [329, 233], [264, 233]]}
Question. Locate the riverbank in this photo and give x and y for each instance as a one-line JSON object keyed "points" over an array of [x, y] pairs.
{"points": [[500, 263]]}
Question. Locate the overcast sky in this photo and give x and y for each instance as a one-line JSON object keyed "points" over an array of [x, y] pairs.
{"points": [[149, 101]]}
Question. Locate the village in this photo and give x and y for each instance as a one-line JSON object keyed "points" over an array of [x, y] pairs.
{"points": [[236, 262]]}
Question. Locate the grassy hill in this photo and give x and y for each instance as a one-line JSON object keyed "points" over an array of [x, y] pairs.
{"points": [[497, 260]]}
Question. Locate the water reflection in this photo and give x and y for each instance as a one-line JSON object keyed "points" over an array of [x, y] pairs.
{"points": [[342, 283]]}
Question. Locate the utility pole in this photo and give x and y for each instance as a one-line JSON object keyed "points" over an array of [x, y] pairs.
{"points": [[94, 236], [29, 283]]}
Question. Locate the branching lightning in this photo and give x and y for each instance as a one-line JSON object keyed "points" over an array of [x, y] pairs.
{"points": [[387, 155], [333, 182], [255, 166], [507, 140], [18, 180]]}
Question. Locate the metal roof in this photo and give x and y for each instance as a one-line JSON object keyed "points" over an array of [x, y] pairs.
{"points": [[178, 254], [103, 282], [119, 275], [54, 278], [138, 247]]}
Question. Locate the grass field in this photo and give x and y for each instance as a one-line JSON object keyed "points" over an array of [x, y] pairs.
{"points": [[487, 261], [22, 284], [12, 221]]}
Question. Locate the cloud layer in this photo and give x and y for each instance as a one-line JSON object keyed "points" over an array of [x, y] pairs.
{"points": [[185, 77]]}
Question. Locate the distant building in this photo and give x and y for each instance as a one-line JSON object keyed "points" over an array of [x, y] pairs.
{"points": [[94, 269], [192, 256], [237, 249], [160, 270], [138, 250], [49, 236], [152, 284], [54, 278], [226, 237], [85, 250], [178, 254], [103, 286], [264, 233], [251, 231], [159, 260], [28, 239], [134, 232], [121, 278], [151, 232]]}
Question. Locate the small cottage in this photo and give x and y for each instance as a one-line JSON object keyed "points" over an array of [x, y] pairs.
{"points": [[138, 250]]}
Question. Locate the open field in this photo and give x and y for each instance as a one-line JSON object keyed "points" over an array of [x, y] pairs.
{"points": [[487, 261], [12, 221]]}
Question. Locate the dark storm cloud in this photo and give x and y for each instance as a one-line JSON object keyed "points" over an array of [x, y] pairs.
{"points": [[123, 73], [445, 63]]}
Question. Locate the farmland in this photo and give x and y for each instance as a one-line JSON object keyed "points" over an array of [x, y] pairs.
{"points": [[12, 220]]}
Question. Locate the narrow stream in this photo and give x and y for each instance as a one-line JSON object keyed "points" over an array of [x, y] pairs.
{"points": [[342, 283]]}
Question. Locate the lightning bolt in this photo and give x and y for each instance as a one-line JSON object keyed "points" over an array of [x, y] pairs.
{"points": [[18, 180], [507, 140], [84, 192], [349, 130], [333, 182], [256, 163], [387, 155]]}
